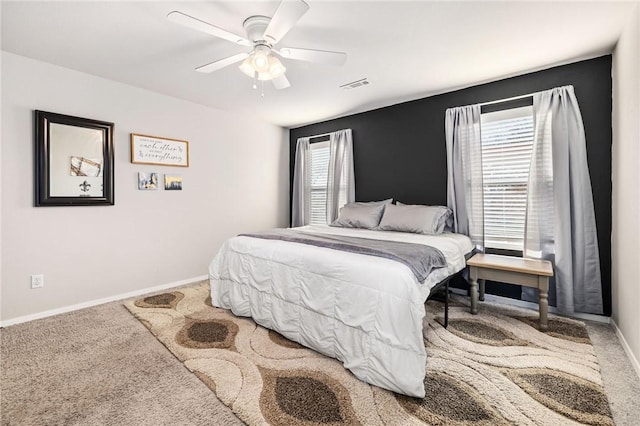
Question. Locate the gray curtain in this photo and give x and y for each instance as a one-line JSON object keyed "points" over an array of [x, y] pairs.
{"points": [[464, 171], [340, 172], [300, 204], [560, 213]]}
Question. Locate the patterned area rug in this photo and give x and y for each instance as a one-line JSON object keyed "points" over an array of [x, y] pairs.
{"points": [[494, 368]]}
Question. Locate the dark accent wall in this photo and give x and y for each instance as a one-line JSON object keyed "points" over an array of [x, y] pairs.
{"points": [[400, 152]]}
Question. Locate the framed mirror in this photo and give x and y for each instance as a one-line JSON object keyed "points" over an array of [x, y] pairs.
{"points": [[73, 161]]}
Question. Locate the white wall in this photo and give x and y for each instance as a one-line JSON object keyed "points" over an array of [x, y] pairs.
{"points": [[625, 244], [237, 181], [0, 170]]}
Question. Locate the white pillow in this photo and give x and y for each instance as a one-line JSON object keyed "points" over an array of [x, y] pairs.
{"points": [[414, 218], [356, 215]]}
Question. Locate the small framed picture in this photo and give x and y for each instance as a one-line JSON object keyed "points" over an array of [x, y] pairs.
{"points": [[147, 180], [172, 183]]}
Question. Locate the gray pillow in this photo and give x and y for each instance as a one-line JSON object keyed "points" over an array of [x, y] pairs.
{"points": [[415, 218], [446, 220], [372, 203], [360, 216]]}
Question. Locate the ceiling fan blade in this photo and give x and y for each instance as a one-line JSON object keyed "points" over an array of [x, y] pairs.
{"points": [[310, 55], [285, 17], [205, 27], [214, 66], [281, 82]]}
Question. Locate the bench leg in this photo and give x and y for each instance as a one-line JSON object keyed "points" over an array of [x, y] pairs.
{"points": [[481, 295], [543, 301], [474, 295]]}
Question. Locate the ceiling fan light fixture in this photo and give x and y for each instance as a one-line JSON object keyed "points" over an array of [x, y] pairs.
{"points": [[260, 58], [276, 69], [262, 64], [264, 76], [247, 68]]}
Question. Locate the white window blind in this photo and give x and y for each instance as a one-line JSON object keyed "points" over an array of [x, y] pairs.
{"points": [[507, 144], [319, 173]]}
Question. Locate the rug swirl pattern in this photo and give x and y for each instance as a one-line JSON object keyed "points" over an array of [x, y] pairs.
{"points": [[494, 368]]}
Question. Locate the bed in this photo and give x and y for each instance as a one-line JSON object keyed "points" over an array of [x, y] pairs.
{"points": [[363, 310]]}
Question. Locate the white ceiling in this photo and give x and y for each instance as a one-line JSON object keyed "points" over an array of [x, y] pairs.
{"points": [[407, 50]]}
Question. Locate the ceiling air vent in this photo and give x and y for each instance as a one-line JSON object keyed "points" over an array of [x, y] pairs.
{"points": [[354, 84]]}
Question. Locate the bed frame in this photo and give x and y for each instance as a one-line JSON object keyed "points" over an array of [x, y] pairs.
{"points": [[436, 293]]}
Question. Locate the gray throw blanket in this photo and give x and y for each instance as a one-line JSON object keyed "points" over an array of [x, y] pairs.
{"points": [[421, 259]]}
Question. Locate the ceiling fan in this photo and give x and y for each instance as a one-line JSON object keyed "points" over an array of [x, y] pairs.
{"points": [[263, 33]]}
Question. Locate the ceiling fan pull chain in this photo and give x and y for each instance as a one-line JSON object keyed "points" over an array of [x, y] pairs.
{"points": [[255, 79], [262, 89]]}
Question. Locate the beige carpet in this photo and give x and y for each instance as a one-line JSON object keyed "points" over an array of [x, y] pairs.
{"points": [[98, 367], [488, 369]]}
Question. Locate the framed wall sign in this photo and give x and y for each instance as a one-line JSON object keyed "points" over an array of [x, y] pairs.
{"points": [[147, 149], [73, 161]]}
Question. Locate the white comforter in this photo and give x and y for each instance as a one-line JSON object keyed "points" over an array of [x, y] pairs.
{"points": [[365, 311]]}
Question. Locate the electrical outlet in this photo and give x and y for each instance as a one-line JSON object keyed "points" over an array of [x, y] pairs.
{"points": [[37, 281]]}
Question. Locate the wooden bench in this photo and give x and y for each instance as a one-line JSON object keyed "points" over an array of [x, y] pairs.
{"points": [[511, 270]]}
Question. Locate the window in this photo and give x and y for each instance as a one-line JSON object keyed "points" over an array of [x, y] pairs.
{"points": [[319, 158], [319, 174], [507, 144]]}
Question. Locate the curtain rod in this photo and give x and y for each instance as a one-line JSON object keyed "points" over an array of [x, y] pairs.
{"points": [[320, 135], [323, 134], [508, 99]]}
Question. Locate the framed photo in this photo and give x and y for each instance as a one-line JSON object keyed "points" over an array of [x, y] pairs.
{"points": [[73, 161], [147, 180], [172, 183], [147, 149]]}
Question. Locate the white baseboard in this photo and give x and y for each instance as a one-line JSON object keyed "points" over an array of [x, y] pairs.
{"points": [[534, 306], [627, 348], [102, 301]]}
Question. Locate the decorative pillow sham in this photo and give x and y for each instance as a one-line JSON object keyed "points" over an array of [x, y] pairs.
{"points": [[356, 215], [415, 218]]}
